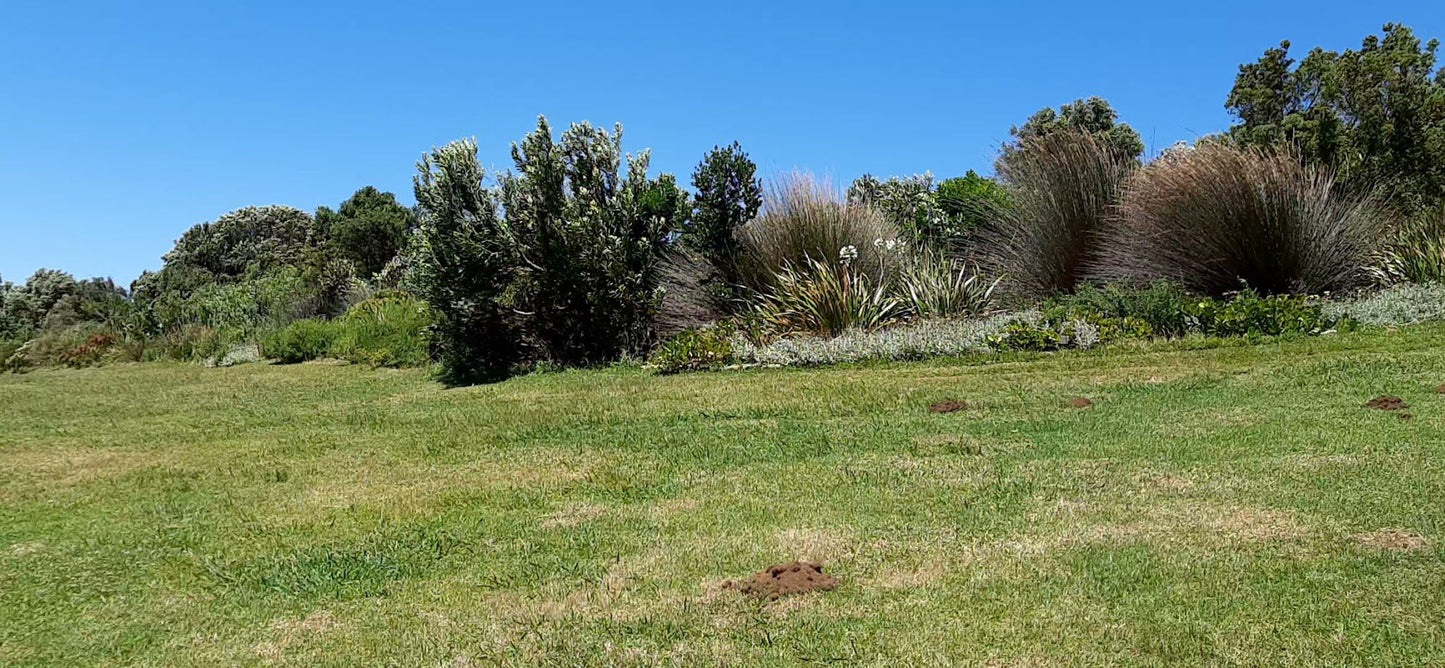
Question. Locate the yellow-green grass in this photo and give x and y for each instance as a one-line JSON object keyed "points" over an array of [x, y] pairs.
{"points": [[1225, 505]]}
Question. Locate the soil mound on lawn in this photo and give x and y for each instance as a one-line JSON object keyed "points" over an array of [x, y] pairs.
{"points": [[1440, 390], [1081, 402], [948, 406], [798, 577], [1387, 403]]}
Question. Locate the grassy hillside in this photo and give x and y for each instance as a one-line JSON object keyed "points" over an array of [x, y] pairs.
{"points": [[1213, 506]]}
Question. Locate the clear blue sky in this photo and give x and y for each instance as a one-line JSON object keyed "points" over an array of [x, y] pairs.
{"points": [[122, 124]]}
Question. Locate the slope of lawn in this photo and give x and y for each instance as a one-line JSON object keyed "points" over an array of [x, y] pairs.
{"points": [[1227, 505]]}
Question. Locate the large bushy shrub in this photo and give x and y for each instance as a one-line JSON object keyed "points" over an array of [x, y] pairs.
{"points": [[1220, 216], [590, 240], [967, 203], [1062, 186], [465, 258]]}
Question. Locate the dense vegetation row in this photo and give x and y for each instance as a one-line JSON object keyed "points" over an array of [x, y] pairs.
{"points": [[1331, 182]]}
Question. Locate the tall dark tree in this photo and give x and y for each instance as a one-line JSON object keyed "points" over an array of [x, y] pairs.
{"points": [[728, 194], [369, 229], [1376, 114], [1094, 116]]}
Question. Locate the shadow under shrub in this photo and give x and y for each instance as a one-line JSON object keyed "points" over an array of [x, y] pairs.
{"points": [[1219, 216]]}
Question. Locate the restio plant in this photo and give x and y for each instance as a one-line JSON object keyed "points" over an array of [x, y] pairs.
{"points": [[388, 330], [1062, 187], [1220, 216], [805, 221], [300, 341]]}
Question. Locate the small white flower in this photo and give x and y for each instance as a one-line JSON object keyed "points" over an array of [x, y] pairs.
{"points": [[848, 254], [890, 244], [878, 243]]}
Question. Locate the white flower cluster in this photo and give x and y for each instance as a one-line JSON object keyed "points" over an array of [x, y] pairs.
{"points": [[890, 245], [847, 255]]}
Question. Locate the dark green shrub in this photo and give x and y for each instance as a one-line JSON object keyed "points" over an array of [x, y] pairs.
{"points": [[301, 341], [369, 229], [463, 264], [1247, 313], [590, 228], [388, 330], [728, 194], [693, 350], [1162, 306]]}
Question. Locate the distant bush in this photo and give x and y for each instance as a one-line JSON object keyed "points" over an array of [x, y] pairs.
{"points": [[729, 195], [1220, 215], [300, 341], [1061, 186], [693, 350], [388, 330], [967, 203]]}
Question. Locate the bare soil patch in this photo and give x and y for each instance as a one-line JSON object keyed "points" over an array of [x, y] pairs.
{"points": [[1392, 539], [1440, 390], [1386, 402], [1081, 402], [797, 577], [1406, 416], [947, 406]]}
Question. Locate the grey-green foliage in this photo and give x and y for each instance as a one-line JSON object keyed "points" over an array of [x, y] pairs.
{"points": [[1403, 304], [907, 202], [465, 258], [245, 242], [589, 238]]}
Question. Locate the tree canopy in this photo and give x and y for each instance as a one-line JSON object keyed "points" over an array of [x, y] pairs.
{"points": [[1376, 114]]}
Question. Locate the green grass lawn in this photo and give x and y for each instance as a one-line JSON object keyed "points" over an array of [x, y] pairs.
{"points": [[1228, 505]]}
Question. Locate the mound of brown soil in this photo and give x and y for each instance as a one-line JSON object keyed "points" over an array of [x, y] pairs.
{"points": [[948, 406], [1081, 402], [1406, 416], [1440, 390], [798, 577], [1387, 403]]}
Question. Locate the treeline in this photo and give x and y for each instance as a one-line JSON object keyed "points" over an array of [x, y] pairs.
{"points": [[1332, 179]]}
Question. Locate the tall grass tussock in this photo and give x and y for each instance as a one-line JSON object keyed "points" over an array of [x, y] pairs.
{"points": [[1220, 217]]}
